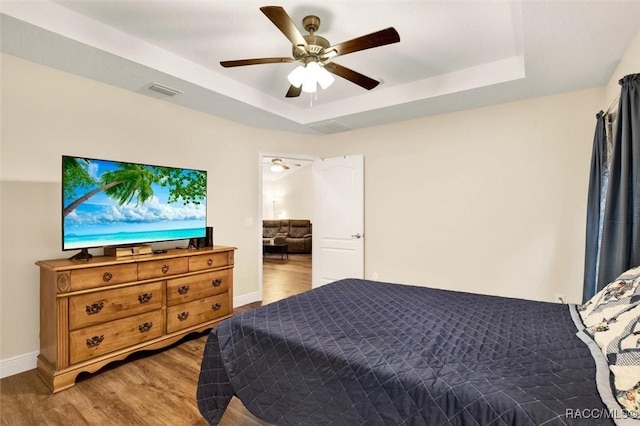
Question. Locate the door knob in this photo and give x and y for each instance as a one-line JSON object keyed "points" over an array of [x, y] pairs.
{"points": [[356, 236]]}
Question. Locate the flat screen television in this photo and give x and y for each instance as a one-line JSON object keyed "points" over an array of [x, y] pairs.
{"points": [[115, 203]]}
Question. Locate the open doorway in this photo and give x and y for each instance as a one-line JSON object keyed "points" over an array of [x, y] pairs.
{"points": [[286, 201]]}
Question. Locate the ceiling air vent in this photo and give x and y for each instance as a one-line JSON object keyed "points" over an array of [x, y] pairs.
{"points": [[329, 127], [159, 88]]}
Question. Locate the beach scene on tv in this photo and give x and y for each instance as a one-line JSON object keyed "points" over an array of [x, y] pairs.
{"points": [[109, 203]]}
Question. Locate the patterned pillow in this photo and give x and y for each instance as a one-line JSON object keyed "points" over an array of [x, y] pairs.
{"points": [[618, 336], [621, 293], [612, 319], [631, 274]]}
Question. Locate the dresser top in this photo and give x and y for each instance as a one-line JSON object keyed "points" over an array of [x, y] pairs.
{"points": [[95, 261]]}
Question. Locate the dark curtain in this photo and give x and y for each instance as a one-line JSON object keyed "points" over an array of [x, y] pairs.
{"points": [[597, 189], [620, 245]]}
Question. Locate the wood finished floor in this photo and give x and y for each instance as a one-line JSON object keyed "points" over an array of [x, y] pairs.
{"points": [[153, 388]]}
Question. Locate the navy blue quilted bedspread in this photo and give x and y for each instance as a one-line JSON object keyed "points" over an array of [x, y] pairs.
{"points": [[359, 352]]}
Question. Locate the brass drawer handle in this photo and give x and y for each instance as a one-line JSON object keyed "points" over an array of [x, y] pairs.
{"points": [[95, 341], [165, 269], [144, 298], [183, 289], [216, 306], [183, 315], [217, 282], [209, 262], [95, 308], [106, 277], [143, 328]]}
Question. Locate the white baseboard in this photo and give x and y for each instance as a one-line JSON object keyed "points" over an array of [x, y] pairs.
{"points": [[25, 362], [245, 299], [18, 364]]}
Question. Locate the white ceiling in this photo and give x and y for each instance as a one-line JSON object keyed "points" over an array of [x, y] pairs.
{"points": [[453, 55]]}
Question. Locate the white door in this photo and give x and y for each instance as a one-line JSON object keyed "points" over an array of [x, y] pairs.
{"points": [[338, 219]]}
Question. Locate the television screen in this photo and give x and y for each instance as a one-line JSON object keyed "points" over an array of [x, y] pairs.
{"points": [[113, 203]]}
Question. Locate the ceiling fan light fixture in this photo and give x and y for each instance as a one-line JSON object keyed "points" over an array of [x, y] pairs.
{"points": [[277, 168], [297, 76], [309, 76], [324, 77], [320, 74], [309, 85]]}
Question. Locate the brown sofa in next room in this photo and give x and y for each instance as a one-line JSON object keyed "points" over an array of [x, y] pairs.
{"points": [[298, 232]]}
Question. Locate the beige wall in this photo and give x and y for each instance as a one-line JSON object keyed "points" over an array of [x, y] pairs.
{"points": [[292, 194], [489, 200]]}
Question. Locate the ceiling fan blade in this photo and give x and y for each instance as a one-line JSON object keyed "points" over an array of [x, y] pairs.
{"points": [[283, 21], [294, 91], [379, 38], [351, 75], [257, 61]]}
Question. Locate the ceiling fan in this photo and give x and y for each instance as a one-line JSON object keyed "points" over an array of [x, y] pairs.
{"points": [[315, 52], [278, 165]]}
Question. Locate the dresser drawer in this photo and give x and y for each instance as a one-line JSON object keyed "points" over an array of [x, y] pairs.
{"points": [[208, 261], [101, 339], [81, 279], [185, 289], [162, 268], [109, 305], [196, 312]]}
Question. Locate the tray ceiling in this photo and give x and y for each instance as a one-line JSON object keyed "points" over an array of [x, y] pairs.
{"points": [[453, 55]]}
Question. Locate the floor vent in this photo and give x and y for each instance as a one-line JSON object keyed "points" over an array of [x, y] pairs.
{"points": [[329, 127]]}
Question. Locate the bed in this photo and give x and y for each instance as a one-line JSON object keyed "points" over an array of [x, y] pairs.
{"points": [[359, 352]]}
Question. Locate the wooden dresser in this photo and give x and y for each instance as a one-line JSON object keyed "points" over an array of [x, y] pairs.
{"points": [[98, 311]]}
